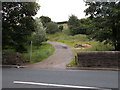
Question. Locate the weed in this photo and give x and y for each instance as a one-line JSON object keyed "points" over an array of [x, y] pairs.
{"points": [[39, 53]]}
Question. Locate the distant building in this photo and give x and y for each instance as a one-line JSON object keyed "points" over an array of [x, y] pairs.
{"points": [[64, 24]]}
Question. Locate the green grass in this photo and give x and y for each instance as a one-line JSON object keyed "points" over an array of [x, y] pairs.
{"points": [[67, 39], [40, 53], [63, 37], [9, 50], [97, 46], [72, 63]]}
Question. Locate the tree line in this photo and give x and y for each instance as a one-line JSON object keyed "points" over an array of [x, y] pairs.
{"points": [[102, 24], [19, 27], [18, 24]]}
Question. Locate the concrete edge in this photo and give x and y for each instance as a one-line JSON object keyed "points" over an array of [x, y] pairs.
{"points": [[68, 68], [12, 66], [92, 68]]}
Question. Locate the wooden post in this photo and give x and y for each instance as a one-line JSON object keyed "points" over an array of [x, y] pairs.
{"points": [[31, 51]]}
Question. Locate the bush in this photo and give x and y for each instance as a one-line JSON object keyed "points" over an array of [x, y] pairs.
{"points": [[74, 30], [77, 30], [61, 28], [74, 25], [52, 28], [45, 20], [40, 34], [21, 49]]}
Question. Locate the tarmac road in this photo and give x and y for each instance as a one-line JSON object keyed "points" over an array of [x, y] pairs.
{"points": [[43, 78]]}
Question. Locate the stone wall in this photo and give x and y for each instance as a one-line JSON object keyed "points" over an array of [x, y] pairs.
{"points": [[98, 58], [12, 59]]}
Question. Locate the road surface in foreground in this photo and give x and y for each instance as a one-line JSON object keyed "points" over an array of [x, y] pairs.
{"points": [[46, 78]]}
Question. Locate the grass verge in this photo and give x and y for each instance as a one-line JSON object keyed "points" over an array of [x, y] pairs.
{"points": [[65, 38], [39, 53], [74, 61], [79, 39]]}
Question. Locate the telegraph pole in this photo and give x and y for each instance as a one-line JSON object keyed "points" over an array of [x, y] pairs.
{"points": [[31, 51]]}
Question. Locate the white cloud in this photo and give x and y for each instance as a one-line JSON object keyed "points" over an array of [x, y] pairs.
{"points": [[60, 10]]}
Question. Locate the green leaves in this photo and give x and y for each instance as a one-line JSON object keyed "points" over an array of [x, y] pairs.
{"points": [[40, 34], [106, 16], [18, 23], [73, 21], [73, 25], [45, 20], [52, 28]]}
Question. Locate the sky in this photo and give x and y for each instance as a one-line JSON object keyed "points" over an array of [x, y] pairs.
{"points": [[61, 10]]}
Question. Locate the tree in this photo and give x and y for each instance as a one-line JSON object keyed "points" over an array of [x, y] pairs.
{"points": [[45, 20], [17, 23], [73, 24], [61, 27], [52, 28], [73, 21], [86, 26], [40, 34], [106, 16]]}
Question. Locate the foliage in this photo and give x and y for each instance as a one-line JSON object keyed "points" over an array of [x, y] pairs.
{"points": [[40, 34], [86, 26], [45, 20], [39, 53], [61, 27], [73, 21], [106, 16], [17, 23], [73, 24], [82, 26], [52, 28], [63, 37], [74, 61]]}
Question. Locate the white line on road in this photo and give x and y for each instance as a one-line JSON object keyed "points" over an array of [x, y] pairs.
{"points": [[57, 85]]}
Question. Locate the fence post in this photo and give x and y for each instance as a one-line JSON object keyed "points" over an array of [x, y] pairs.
{"points": [[31, 51]]}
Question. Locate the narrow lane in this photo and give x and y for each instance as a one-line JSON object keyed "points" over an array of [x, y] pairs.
{"points": [[62, 56]]}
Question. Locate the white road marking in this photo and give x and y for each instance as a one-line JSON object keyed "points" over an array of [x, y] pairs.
{"points": [[57, 85]]}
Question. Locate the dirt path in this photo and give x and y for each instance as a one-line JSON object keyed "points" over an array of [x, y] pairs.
{"points": [[62, 56]]}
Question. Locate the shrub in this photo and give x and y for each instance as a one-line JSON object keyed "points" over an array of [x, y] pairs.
{"points": [[40, 34], [52, 28], [61, 27]]}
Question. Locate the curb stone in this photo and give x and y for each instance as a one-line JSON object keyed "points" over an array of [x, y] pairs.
{"points": [[12, 66], [92, 68]]}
